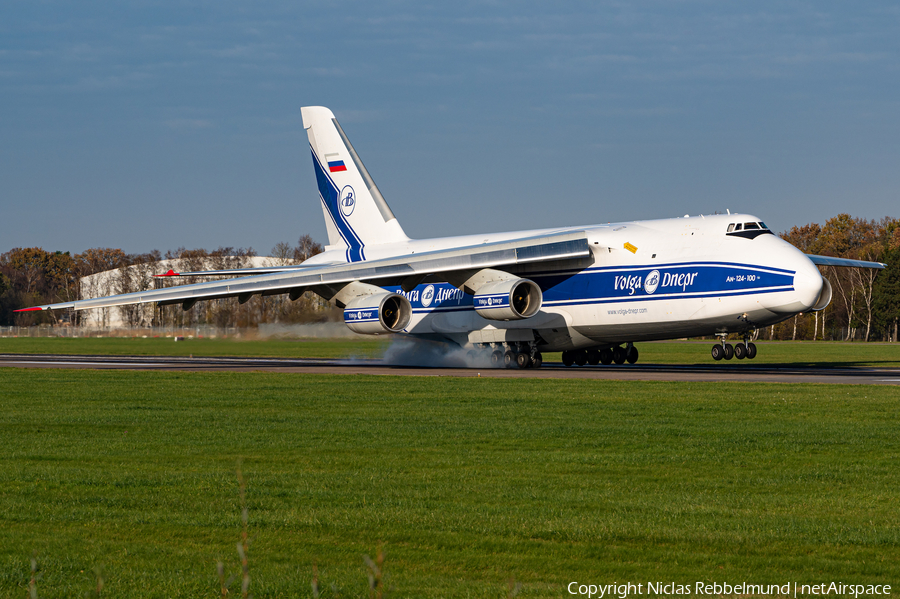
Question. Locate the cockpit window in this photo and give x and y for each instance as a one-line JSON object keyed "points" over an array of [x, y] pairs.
{"points": [[748, 230]]}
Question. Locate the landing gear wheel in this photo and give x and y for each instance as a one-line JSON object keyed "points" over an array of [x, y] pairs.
{"points": [[606, 356], [631, 355], [567, 358], [593, 357], [717, 352], [509, 358], [523, 360], [580, 357], [751, 351], [536, 360], [619, 355], [729, 351], [740, 351], [497, 358]]}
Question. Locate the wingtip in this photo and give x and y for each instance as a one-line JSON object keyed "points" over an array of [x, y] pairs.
{"points": [[170, 273], [35, 309]]}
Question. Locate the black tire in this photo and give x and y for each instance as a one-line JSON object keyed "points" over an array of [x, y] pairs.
{"points": [[729, 351], [567, 358], [606, 356], [509, 358], [619, 355], [497, 358], [751, 351], [593, 357], [537, 360], [717, 352], [740, 351], [632, 355], [580, 357], [523, 360]]}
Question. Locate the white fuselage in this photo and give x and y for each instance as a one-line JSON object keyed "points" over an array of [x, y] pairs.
{"points": [[648, 280]]}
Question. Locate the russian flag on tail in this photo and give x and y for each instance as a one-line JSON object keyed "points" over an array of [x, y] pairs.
{"points": [[335, 164]]}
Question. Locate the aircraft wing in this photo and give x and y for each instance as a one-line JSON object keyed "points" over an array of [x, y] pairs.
{"points": [[829, 261], [559, 246]]}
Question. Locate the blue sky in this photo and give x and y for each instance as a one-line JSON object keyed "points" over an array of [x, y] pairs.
{"points": [[147, 125]]}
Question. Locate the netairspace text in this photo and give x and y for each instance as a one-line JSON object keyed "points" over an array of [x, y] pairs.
{"points": [[791, 589]]}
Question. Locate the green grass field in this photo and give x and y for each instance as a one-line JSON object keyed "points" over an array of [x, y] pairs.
{"points": [[787, 353], [467, 484]]}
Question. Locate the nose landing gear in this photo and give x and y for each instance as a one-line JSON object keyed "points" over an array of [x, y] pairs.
{"points": [[751, 350], [724, 351]]}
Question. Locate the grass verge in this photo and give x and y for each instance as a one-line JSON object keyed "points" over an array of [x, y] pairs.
{"points": [[467, 484]]}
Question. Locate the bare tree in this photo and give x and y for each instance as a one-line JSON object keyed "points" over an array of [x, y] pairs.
{"points": [[283, 254], [307, 247]]}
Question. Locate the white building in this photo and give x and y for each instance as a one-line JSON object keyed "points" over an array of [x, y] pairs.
{"points": [[139, 277]]}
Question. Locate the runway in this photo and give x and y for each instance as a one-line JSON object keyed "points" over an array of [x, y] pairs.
{"points": [[715, 372]]}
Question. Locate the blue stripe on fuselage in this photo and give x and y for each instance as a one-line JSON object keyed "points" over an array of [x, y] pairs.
{"points": [[673, 280], [689, 280]]}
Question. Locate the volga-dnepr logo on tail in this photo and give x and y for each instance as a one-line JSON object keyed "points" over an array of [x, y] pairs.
{"points": [[348, 201]]}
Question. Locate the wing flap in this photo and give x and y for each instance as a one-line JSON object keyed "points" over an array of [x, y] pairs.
{"points": [[260, 270], [555, 247]]}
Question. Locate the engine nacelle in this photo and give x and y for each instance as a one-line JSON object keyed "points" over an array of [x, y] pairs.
{"points": [[824, 296], [513, 299], [378, 313]]}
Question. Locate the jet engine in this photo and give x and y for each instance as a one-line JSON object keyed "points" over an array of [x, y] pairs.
{"points": [[378, 313], [824, 297], [513, 299]]}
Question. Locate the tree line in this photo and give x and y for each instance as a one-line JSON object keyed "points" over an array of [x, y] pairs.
{"points": [[33, 276], [865, 303]]}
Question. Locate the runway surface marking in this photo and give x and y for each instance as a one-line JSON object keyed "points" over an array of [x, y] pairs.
{"points": [[81, 363], [638, 372]]}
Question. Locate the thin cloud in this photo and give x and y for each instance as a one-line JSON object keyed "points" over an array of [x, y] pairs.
{"points": [[111, 82], [182, 124]]}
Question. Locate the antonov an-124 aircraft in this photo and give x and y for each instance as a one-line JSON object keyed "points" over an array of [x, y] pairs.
{"points": [[590, 291]]}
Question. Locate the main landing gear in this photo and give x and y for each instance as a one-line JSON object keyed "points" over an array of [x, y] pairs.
{"points": [[511, 355], [605, 356], [724, 351]]}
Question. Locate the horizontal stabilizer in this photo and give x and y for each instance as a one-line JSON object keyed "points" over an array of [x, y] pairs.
{"points": [[829, 261]]}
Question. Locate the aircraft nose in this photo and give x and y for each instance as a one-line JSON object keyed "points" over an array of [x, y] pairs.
{"points": [[808, 282]]}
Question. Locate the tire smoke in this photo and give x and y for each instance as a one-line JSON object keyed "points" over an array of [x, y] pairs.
{"points": [[432, 354]]}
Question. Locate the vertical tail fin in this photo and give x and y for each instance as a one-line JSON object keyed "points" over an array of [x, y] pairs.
{"points": [[356, 214]]}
